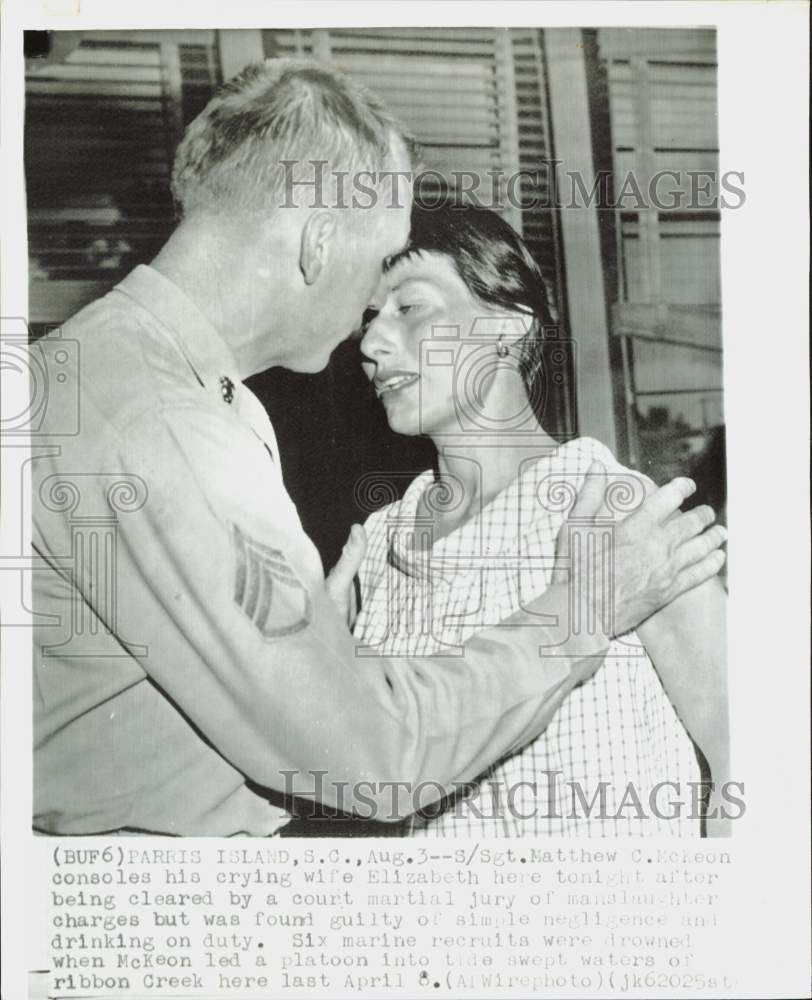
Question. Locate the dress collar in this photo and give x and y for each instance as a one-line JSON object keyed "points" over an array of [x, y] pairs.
{"points": [[405, 553], [513, 506]]}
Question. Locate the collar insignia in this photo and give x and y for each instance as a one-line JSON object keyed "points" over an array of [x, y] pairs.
{"points": [[226, 388]]}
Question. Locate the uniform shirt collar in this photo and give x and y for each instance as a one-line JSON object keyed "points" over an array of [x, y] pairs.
{"points": [[201, 344]]}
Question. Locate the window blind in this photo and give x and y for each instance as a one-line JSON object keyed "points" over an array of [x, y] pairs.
{"points": [[101, 128], [663, 106], [663, 111], [473, 97]]}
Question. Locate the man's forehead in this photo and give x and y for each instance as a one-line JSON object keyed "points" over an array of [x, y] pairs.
{"points": [[396, 179], [399, 155], [393, 231]]}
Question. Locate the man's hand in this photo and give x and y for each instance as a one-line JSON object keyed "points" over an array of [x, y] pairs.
{"points": [[340, 581], [659, 552]]}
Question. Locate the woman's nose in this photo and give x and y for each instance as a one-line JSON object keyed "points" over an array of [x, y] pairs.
{"points": [[377, 340]]}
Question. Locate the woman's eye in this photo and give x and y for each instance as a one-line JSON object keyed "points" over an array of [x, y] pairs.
{"points": [[368, 317]]}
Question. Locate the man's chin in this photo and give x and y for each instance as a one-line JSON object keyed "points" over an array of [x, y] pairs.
{"points": [[311, 365], [315, 367], [313, 357]]}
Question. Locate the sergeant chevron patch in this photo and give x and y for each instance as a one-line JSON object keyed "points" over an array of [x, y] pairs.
{"points": [[267, 589]]}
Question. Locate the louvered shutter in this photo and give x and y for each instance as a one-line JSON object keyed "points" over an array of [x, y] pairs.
{"points": [[473, 98], [101, 128], [662, 93], [663, 108], [447, 86]]}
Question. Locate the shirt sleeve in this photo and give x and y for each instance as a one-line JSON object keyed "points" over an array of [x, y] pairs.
{"points": [[218, 575]]}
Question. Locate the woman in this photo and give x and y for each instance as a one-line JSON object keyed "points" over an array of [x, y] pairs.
{"points": [[453, 345]]}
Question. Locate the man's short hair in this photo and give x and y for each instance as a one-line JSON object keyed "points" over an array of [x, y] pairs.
{"points": [[280, 111]]}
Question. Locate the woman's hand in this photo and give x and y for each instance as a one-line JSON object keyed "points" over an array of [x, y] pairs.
{"points": [[340, 580]]}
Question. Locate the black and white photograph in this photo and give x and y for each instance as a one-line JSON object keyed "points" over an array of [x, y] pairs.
{"points": [[374, 467], [409, 306]]}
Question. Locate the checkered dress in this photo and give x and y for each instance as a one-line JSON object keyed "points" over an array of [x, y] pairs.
{"points": [[618, 728]]}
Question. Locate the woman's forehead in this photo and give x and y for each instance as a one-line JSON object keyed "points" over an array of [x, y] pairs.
{"points": [[436, 269]]}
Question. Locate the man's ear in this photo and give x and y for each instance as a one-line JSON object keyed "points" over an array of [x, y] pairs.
{"points": [[316, 244]]}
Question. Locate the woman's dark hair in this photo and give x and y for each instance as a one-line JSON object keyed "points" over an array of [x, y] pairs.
{"points": [[709, 472], [496, 266]]}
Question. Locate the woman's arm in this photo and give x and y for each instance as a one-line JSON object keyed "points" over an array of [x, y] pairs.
{"points": [[686, 643]]}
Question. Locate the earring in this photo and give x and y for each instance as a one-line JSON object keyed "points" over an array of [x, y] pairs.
{"points": [[502, 349]]}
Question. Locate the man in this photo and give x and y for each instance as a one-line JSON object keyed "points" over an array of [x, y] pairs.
{"points": [[190, 649]]}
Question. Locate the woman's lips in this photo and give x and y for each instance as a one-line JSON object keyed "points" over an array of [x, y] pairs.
{"points": [[394, 381]]}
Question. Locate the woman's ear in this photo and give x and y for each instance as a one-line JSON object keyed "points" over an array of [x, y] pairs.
{"points": [[316, 244], [515, 326]]}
